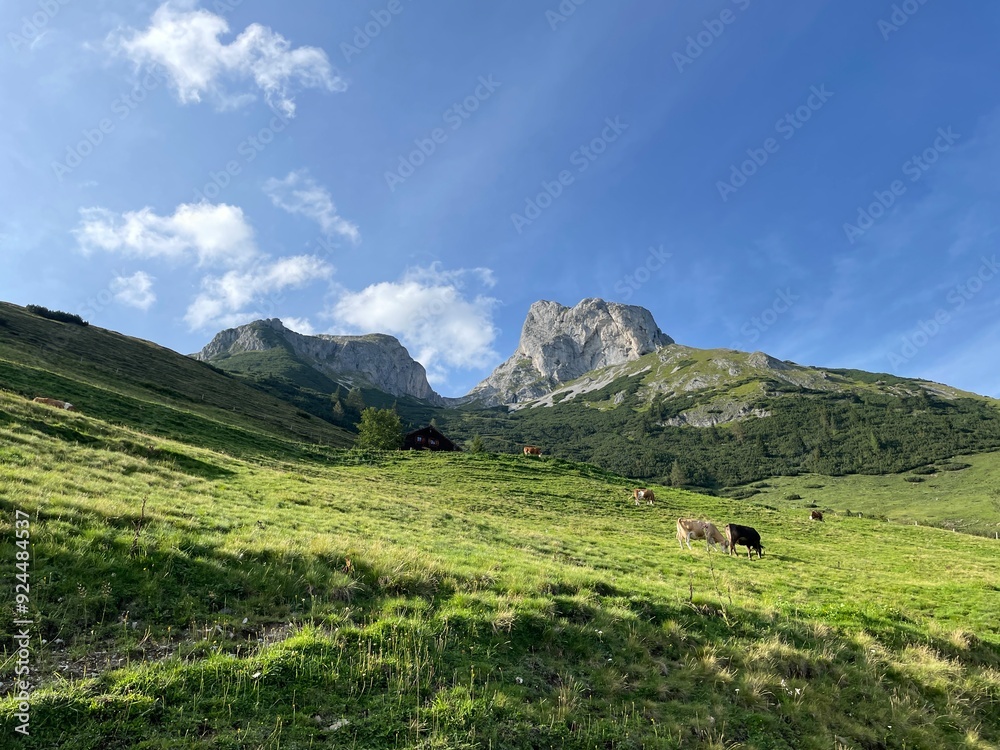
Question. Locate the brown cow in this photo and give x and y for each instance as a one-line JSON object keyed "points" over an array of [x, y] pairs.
{"points": [[643, 494], [691, 528], [55, 402], [532, 450], [815, 515]]}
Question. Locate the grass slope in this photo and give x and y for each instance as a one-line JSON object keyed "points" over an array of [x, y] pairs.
{"points": [[965, 499], [419, 600], [637, 424], [138, 384]]}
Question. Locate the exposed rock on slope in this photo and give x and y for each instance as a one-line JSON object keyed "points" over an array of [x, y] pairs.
{"points": [[559, 344], [378, 359]]}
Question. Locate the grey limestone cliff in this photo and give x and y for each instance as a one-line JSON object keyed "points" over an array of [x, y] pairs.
{"points": [[378, 359], [560, 343]]}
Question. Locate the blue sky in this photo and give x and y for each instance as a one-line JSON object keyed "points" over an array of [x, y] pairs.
{"points": [[817, 182]]}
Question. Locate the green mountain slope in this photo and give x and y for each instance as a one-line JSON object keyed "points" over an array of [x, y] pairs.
{"points": [[726, 418], [961, 494], [279, 372], [141, 385], [715, 418], [184, 598]]}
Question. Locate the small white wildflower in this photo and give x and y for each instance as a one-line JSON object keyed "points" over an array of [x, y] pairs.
{"points": [[519, 680]]}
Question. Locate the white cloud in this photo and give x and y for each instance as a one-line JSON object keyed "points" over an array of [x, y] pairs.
{"points": [[185, 42], [225, 300], [299, 325], [429, 311], [300, 194], [217, 234], [135, 290]]}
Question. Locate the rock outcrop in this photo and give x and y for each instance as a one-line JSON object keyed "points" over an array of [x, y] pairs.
{"points": [[560, 343], [378, 359]]}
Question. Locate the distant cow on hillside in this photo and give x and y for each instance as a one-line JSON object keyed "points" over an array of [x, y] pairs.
{"points": [[532, 450], [690, 528], [745, 535], [643, 494], [815, 515], [55, 402]]}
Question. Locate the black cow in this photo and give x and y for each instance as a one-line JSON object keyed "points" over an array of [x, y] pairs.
{"points": [[745, 535]]}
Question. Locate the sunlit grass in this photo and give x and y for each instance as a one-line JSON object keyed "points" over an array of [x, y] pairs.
{"points": [[418, 600]]}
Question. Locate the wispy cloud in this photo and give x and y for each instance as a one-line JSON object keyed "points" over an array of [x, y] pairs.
{"points": [[432, 313], [217, 235], [185, 42], [300, 194], [135, 290], [240, 296]]}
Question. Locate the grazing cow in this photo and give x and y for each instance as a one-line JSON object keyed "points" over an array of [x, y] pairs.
{"points": [[643, 494], [55, 402], [532, 450], [690, 528], [815, 515], [745, 535]]}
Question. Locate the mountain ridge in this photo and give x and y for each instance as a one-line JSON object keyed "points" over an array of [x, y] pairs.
{"points": [[377, 359]]}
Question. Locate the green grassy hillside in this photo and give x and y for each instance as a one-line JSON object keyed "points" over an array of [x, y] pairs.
{"points": [[279, 372], [678, 405], [725, 417], [138, 384], [961, 494], [184, 598]]}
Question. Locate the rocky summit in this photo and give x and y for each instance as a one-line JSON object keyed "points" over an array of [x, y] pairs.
{"points": [[377, 359], [560, 343]]}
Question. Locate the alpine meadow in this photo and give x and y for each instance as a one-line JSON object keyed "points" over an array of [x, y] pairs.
{"points": [[216, 570]]}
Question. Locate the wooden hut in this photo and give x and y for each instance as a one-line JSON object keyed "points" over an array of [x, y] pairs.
{"points": [[428, 439]]}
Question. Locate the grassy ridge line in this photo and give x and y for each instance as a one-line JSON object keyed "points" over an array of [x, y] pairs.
{"points": [[64, 355], [235, 437], [469, 601]]}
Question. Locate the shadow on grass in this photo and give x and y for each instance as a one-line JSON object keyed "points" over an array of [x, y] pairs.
{"points": [[666, 657]]}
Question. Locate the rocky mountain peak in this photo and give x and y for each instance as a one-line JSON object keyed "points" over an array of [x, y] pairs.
{"points": [[376, 359], [560, 343]]}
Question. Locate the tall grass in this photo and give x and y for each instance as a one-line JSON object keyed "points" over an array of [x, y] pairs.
{"points": [[467, 600]]}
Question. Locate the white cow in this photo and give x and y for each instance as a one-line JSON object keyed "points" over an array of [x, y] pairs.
{"points": [[691, 528]]}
